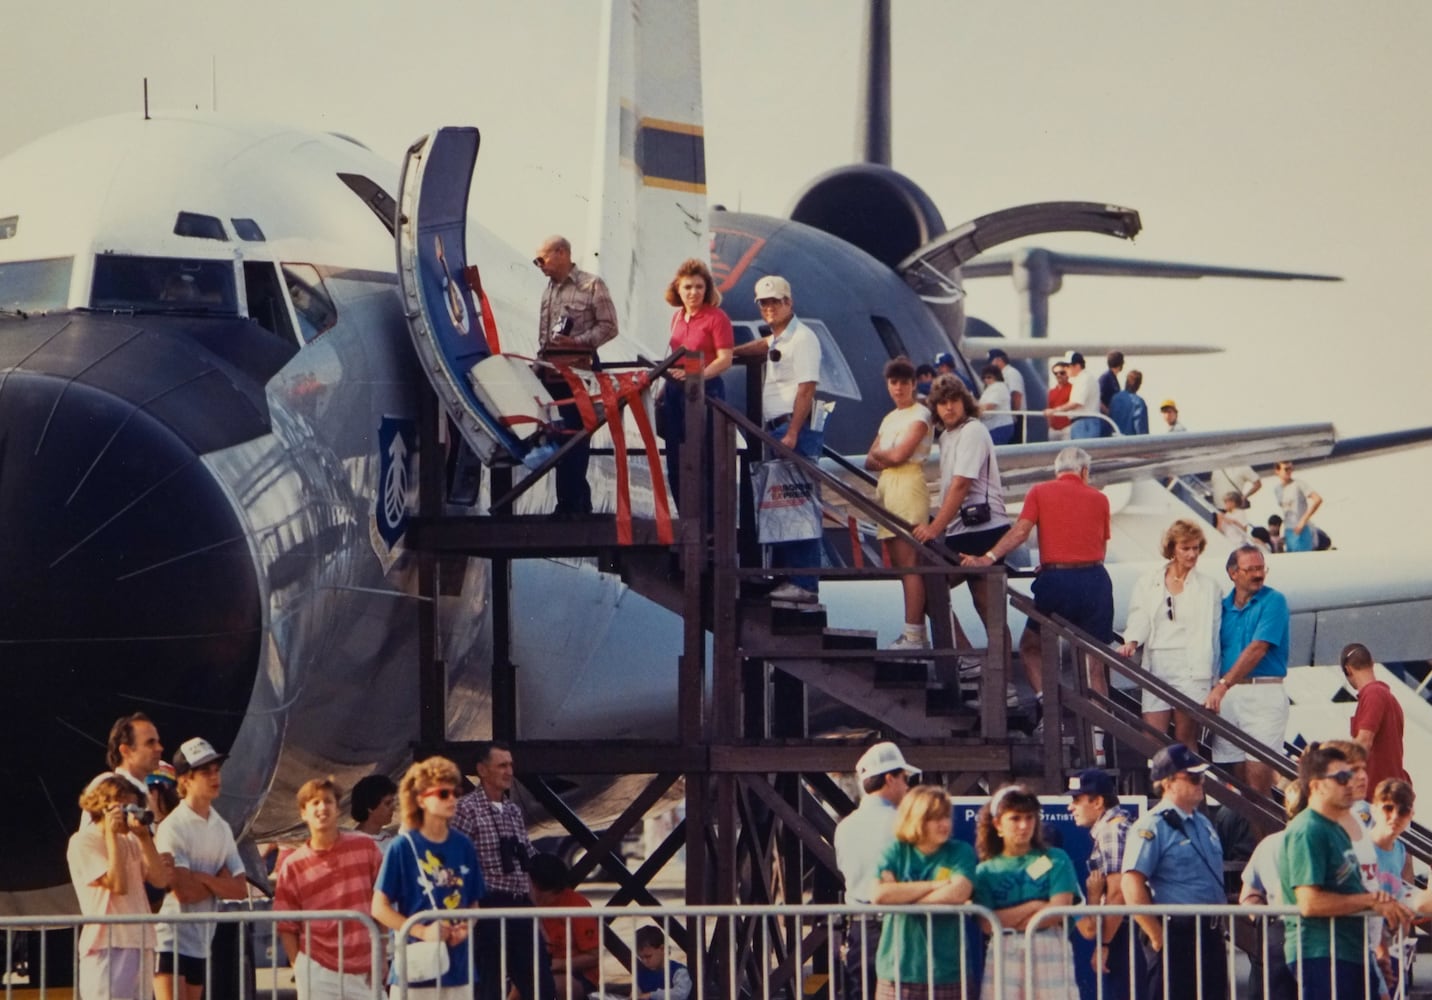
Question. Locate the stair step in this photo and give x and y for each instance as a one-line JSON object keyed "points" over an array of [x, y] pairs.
{"points": [[946, 704], [850, 638], [901, 674]]}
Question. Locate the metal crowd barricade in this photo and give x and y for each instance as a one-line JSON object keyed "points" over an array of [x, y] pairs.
{"points": [[758, 952], [241, 987], [1264, 966], [740, 952]]}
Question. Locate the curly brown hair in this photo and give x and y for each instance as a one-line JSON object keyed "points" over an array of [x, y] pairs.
{"points": [[946, 388], [103, 792], [1009, 799], [423, 775], [693, 268]]}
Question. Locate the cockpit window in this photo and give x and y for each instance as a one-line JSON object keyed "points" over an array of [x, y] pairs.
{"points": [[311, 301], [35, 285], [164, 284]]}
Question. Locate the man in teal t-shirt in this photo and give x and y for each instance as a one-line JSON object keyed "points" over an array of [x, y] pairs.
{"points": [[1319, 872]]}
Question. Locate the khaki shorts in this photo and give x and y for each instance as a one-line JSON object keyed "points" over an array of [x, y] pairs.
{"points": [[902, 491]]}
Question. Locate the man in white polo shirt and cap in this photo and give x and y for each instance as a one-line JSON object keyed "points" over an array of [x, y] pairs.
{"points": [[861, 840], [789, 410]]}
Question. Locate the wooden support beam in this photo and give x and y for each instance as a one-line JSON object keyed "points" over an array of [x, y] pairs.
{"points": [[810, 837]]}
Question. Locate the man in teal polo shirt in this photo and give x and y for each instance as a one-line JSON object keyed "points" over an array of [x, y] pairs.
{"points": [[1326, 943], [1254, 639]]}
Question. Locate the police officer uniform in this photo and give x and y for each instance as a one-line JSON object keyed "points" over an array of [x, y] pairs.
{"points": [[1181, 858]]}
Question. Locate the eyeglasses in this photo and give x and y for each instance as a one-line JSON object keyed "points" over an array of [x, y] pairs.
{"points": [[441, 793], [1343, 778], [1169, 599], [539, 260], [1393, 807], [1192, 779], [768, 303]]}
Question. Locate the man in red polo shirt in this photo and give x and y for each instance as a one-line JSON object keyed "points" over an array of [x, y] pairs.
{"points": [[1377, 723], [1058, 396], [1073, 522]]}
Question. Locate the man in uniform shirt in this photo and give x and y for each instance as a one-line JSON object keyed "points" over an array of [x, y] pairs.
{"points": [[1174, 856], [1094, 804], [789, 410], [498, 830], [576, 318], [861, 840], [1253, 642]]}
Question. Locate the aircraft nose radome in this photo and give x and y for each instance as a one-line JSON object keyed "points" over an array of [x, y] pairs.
{"points": [[126, 584]]}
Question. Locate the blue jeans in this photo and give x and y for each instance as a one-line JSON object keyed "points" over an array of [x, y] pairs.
{"points": [[1086, 427], [807, 552]]}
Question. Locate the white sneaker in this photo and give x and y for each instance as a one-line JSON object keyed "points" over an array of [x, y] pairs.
{"points": [[971, 667], [906, 642], [796, 595]]}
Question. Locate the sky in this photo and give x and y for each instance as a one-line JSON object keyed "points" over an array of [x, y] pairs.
{"points": [[1274, 135]]}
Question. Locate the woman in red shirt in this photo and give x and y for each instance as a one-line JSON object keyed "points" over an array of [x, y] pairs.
{"points": [[700, 326]]}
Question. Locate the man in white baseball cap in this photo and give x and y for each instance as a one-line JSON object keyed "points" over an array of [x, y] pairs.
{"points": [[788, 407], [861, 840]]}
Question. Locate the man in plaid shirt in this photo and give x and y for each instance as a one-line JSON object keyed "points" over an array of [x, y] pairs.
{"points": [[1095, 804], [499, 831]]}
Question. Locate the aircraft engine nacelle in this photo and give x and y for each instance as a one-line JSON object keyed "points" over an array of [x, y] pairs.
{"points": [[877, 209]]}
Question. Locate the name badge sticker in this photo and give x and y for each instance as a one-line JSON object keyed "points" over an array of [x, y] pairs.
{"points": [[1040, 868]]}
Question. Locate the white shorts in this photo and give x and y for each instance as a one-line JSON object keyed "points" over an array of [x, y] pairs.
{"points": [[317, 982], [1175, 668], [115, 974], [1260, 711]]}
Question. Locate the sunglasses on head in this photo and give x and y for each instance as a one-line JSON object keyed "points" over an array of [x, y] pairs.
{"points": [[442, 793]]}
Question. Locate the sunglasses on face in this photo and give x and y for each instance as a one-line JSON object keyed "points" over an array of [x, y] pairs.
{"points": [[441, 793], [1343, 778]]}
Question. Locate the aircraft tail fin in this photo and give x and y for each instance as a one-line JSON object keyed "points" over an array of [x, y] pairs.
{"points": [[649, 187]]}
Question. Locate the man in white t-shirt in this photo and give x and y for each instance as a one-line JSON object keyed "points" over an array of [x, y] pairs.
{"points": [[788, 407], [1014, 380], [207, 868]]}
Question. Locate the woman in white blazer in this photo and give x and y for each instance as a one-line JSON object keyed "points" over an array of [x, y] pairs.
{"points": [[1174, 615]]}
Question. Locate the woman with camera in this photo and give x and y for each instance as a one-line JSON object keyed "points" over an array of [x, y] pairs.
{"points": [[110, 859], [971, 518]]}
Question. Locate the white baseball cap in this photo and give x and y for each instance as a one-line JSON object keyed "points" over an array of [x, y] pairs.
{"points": [[882, 758], [773, 286], [196, 753]]}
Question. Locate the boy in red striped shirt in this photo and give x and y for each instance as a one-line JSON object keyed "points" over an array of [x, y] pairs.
{"points": [[335, 870]]}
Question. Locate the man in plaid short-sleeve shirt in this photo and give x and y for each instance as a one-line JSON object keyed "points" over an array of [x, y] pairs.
{"points": [[1095, 804]]}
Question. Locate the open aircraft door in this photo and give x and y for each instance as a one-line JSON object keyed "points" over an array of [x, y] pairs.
{"points": [[497, 403]]}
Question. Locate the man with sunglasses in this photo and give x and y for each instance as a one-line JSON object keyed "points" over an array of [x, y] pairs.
{"points": [[577, 317], [498, 829], [1174, 856], [1377, 724], [1326, 945], [1253, 654]]}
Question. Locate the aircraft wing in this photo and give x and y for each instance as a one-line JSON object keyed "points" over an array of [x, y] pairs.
{"points": [[1001, 265], [977, 348], [1145, 456]]}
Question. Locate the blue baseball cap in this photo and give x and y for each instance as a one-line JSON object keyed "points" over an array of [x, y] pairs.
{"points": [[1093, 782], [1173, 759], [944, 358]]}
